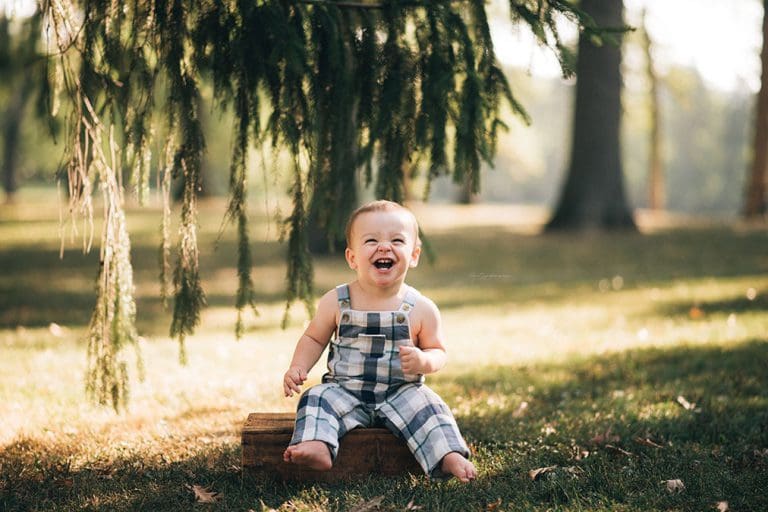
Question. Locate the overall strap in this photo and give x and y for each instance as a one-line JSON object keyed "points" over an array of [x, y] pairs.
{"points": [[409, 301], [342, 295]]}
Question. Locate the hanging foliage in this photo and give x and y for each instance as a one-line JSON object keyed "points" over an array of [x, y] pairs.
{"points": [[356, 92]]}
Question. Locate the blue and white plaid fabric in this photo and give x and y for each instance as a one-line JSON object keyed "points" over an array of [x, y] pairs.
{"points": [[365, 385]]}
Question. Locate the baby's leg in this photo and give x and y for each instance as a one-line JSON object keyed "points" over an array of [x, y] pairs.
{"points": [[325, 413], [421, 417]]}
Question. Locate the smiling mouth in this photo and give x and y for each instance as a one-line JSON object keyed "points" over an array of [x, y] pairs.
{"points": [[383, 263]]}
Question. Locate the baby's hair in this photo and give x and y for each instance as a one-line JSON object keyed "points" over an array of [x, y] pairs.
{"points": [[381, 205]]}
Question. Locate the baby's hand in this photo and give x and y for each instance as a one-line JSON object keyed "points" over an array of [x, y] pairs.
{"points": [[293, 378], [412, 360]]}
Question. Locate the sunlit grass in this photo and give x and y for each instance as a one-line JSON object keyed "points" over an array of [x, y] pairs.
{"points": [[553, 340]]}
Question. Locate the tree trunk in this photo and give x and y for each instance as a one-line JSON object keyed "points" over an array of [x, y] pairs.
{"points": [[656, 182], [593, 196], [754, 205], [465, 195], [12, 119]]}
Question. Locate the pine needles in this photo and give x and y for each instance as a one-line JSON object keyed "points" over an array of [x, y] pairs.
{"points": [[356, 93]]}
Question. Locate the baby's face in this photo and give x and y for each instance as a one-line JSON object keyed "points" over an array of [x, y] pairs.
{"points": [[383, 246]]}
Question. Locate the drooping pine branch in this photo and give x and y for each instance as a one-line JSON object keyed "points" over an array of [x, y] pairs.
{"points": [[300, 273], [366, 55], [95, 157], [356, 92], [332, 177], [396, 109], [237, 209], [437, 81], [183, 119], [469, 147]]}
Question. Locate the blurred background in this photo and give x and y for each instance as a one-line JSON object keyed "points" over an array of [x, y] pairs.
{"points": [[705, 59]]}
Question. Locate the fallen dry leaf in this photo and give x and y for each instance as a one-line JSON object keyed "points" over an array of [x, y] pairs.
{"points": [[695, 313], [364, 506], [675, 485], [722, 506], [688, 406], [647, 442], [538, 473], [621, 451], [494, 505], [412, 506], [204, 494]]}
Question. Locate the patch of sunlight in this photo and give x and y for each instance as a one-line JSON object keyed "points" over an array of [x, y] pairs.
{"points": [[264, 324], [661, 411], [508, 335], [518, 218], [480, 403], [223, 381], [269, 279]]}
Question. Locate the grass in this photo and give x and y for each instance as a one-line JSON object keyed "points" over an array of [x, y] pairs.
{"points": [[565, 352]]}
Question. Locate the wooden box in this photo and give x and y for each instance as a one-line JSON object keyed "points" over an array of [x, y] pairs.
{"points": [[362, 452]]}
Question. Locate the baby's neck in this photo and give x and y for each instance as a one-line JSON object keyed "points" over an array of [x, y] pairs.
{"points": [[376, 299]]}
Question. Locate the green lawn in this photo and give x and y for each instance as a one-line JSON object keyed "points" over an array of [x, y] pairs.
{"points": [[618, 361]]}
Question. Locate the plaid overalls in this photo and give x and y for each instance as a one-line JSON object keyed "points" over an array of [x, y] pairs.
{"points": [[365, 386]]}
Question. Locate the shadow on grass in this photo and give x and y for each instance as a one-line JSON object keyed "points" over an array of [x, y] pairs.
{"points": [[739, 304], [597, 414], [493, 265], [727, 386]]}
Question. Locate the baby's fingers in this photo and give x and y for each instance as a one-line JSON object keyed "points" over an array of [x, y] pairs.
{"points": [[290, 385]]}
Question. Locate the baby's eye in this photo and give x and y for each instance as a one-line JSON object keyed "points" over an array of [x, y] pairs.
{"points": [[398, 241], [370, 241]]}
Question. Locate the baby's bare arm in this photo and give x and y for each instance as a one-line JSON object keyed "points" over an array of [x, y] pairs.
{"points": [[428, 356], [311, 344]]}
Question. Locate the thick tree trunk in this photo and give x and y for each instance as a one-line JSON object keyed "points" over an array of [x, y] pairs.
{"points": [[593, 196], [754, 205]]}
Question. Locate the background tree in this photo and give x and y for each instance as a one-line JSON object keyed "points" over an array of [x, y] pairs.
{"points": [[593, 196], [21, 66], [656, 182], [754, 204]]}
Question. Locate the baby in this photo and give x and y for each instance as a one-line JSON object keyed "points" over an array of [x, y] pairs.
{"points": [[387, 336]]}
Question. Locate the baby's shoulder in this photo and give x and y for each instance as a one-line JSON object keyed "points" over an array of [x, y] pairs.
{"points": [[423, 305], [328, 303]]}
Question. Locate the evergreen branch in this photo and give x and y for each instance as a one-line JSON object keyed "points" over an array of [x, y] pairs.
{"points": [[299, 273], [347, 82]]}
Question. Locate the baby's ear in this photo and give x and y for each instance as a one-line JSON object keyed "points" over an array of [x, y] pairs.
{"points": [[415, 257], [350, 257]]}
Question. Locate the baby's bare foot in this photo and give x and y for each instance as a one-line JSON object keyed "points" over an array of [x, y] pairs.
{"points": [[455, 464], [313, 454]]}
